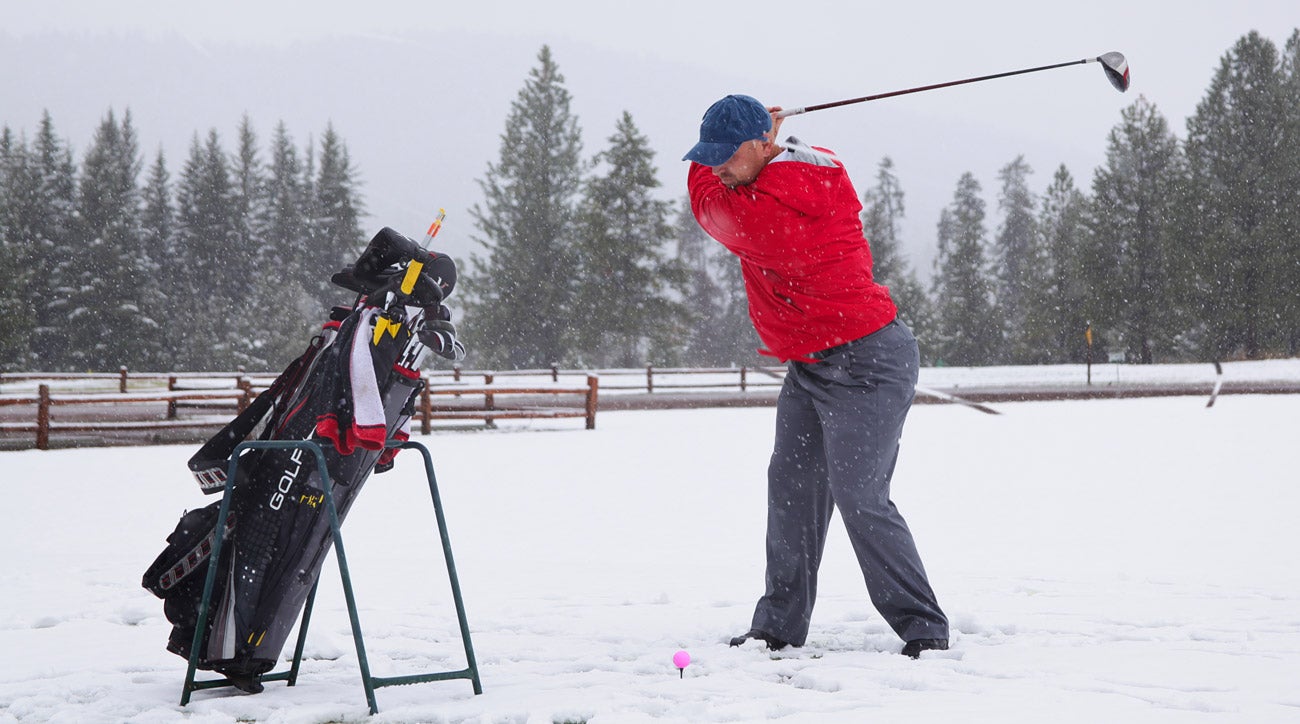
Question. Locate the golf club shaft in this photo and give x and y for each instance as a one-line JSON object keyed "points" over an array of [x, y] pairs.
{"points": [[864, 99]]}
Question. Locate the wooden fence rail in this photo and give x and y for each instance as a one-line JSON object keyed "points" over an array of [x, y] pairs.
{"points": [[46, 402], [487, 402], [503, 403], [648, 379], [124, 376]]}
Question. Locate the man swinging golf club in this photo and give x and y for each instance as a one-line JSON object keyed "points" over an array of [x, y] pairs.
{"points": [[791, 215]]}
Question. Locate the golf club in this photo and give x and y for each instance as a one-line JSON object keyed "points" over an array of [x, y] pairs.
{"points": [[1114, 64]]}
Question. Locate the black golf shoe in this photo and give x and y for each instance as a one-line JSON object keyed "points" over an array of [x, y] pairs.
{"points": [[914, 648], [773, 643]]}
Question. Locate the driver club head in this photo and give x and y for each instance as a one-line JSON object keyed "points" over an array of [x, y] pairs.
{"points": [[1116, 67]]}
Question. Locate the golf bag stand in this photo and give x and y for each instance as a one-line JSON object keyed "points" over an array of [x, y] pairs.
{"points": [[290, 465], [369, 681]]}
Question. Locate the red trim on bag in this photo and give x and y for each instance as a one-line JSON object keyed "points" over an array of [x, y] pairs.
{"points": [[407, 372]]}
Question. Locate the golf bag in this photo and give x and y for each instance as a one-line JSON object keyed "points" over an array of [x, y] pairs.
{"points": [[351, 391]]}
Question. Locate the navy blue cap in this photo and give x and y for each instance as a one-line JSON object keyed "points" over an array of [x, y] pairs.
{"points": [[727, 124]]}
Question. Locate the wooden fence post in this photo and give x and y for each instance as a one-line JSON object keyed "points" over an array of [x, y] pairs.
{"points": [[593, 384], [43, 419], [245, 399], [742, 379], [426, 407], [555, 373], [489, 402], [649, 378], [121, 387], [171, 404]]}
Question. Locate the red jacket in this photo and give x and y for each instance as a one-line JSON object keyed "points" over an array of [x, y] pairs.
{"points": [[805, 260]]}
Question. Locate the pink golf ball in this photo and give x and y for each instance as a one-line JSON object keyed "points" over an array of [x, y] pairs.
{"points": [[681, 659]]}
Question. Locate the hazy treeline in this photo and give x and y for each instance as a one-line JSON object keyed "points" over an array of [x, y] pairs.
{"points": [[107, 263], [1179, 248]]}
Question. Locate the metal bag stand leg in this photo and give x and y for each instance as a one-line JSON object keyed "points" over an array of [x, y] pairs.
{"points": [[369, 682]]}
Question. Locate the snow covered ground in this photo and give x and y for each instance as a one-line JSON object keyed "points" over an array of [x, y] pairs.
{"points": [[1103, 561]]}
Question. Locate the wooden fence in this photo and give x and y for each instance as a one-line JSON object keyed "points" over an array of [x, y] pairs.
{"points": [[127, 411], [135, 402], [647, 380], [109, 404], [504, 403], [121, 418]]}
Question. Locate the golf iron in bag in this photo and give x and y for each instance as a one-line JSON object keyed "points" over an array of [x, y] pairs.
{"points": [[351, 391]]}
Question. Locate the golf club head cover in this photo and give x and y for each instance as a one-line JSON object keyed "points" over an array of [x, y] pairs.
{"points": [[439, 334], [382, 261], [441, 270]]}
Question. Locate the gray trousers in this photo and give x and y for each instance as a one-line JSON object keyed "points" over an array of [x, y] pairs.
{"points": [[838, 424]]}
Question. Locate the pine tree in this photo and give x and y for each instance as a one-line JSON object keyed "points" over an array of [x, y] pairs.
{"points": [[882, 218], [158, 213], [45, 219], [206, 292], [336, 213], [966, 332], [1134, 198], [266, 338], [702, 294], [1017, 266], [157, 229], [627, 308], [286, 201], [1289, 201], [882, 222], [1237, 170], [285, 281], [519, 296], [16, 309], [1061, 223], [107, 315], [248, 200]]}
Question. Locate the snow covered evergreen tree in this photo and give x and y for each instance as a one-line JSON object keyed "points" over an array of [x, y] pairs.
{"points": [[206, 293], [285, 232], [335, 214], [627, 306], [157, 227], [1289, 203], [1018, 268], [272, 268], [16, 310], [108, 318], [286, 200], [1133, 255], [518, 297], [882, 222], [1064, 234], [966, 331], [248, 180], [1238, 193], [158, 213], [701, 294], [44, 224]]}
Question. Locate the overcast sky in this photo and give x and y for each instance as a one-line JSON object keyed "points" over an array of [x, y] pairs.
{"points": [[420, 90]]}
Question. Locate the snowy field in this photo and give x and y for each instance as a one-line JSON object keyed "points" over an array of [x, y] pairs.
{"points": [[1104, 561]]}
